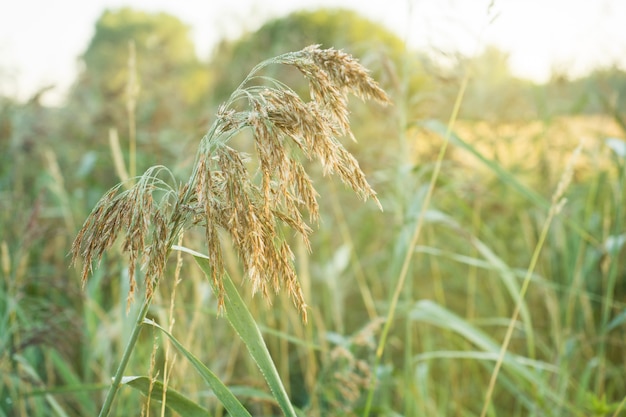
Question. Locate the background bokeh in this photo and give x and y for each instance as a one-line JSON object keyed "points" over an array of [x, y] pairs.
{"points": [[64, 144]]}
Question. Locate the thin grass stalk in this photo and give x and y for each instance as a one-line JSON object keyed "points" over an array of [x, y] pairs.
{"points": [[118, 157], [439, 293], [577, 295], [145, 411], [409, 400], [620, 407], [130, 346], [132, 91], [612, 276], [403, 89], [134, 336], [166, 371], [221, 194], [557, 203], [308, 357], [124, 176], [359, 274], [518, 305], [413, 242], [472, 278]]}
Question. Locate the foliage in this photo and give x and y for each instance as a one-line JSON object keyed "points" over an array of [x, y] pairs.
{"points": [[249, 205], [373, 44], [168, 71], [139, 69], [505, 158]]}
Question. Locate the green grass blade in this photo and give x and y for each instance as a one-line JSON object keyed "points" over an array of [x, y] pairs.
{"points": [[507, 274], [505, 176], [242, 321], [73, 381], [483, 356], [519, 368], [31, 372], [429, 312], [226, 397], [175, 401]]}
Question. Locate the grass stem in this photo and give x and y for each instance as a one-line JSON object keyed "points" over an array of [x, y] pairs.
{"points": [[128, 350], [411, 247]]}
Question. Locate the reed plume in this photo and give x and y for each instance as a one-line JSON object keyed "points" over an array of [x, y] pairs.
{"points": [[223, 195]]}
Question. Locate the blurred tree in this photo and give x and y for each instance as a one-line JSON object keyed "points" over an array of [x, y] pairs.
{"points": [[603, 91], [405, 75], [169, 76], [606, 92], [378, 48]]}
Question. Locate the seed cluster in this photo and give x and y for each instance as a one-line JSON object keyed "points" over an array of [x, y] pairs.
{"points": [[224, 196]]}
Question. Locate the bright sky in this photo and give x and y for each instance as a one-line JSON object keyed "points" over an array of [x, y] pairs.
{"points": [[41, 39]]}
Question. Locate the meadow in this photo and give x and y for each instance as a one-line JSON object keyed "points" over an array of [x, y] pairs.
{"points": [[491, 283]]}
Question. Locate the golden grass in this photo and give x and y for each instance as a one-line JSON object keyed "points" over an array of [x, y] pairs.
{"points": [[222, 195], [525, 147]]}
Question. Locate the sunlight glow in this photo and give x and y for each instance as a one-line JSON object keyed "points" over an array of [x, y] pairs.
{"points": [[40, 41]]}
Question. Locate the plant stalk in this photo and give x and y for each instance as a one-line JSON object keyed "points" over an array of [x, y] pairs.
{"points": [[130, 346], [176, 221], [411, 247]]}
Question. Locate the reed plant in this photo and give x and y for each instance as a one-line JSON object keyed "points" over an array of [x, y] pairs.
{"points": [[251, 201], [476, 291]]}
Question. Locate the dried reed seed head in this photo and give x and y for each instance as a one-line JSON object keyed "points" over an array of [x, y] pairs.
{"points": [[270, 153], [312, 131], [98, 232], [281, 170], [304, 190], [222, 192], [136, 222], [265, 255], [331, 102], [157, 252], [208, 196], [347, 73]]}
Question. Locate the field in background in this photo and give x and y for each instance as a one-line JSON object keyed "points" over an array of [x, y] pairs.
{"points": [[60, 344]]}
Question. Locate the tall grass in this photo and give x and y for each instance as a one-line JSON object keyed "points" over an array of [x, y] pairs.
{"points": [[223, 195], [532, 271], [490, 246]]}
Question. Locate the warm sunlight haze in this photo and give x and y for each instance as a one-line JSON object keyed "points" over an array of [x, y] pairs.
{"points": [[346, 208], [40, 40]]}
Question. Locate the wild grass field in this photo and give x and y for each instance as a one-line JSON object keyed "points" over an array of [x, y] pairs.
{"points": [[491, 283]]}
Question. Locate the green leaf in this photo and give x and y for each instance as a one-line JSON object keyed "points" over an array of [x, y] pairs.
{"points": [[242, 321], [32, 373], [175, 401], [619, 320], [226, 397], [505, 176], [506, 273], [520, 368]]}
